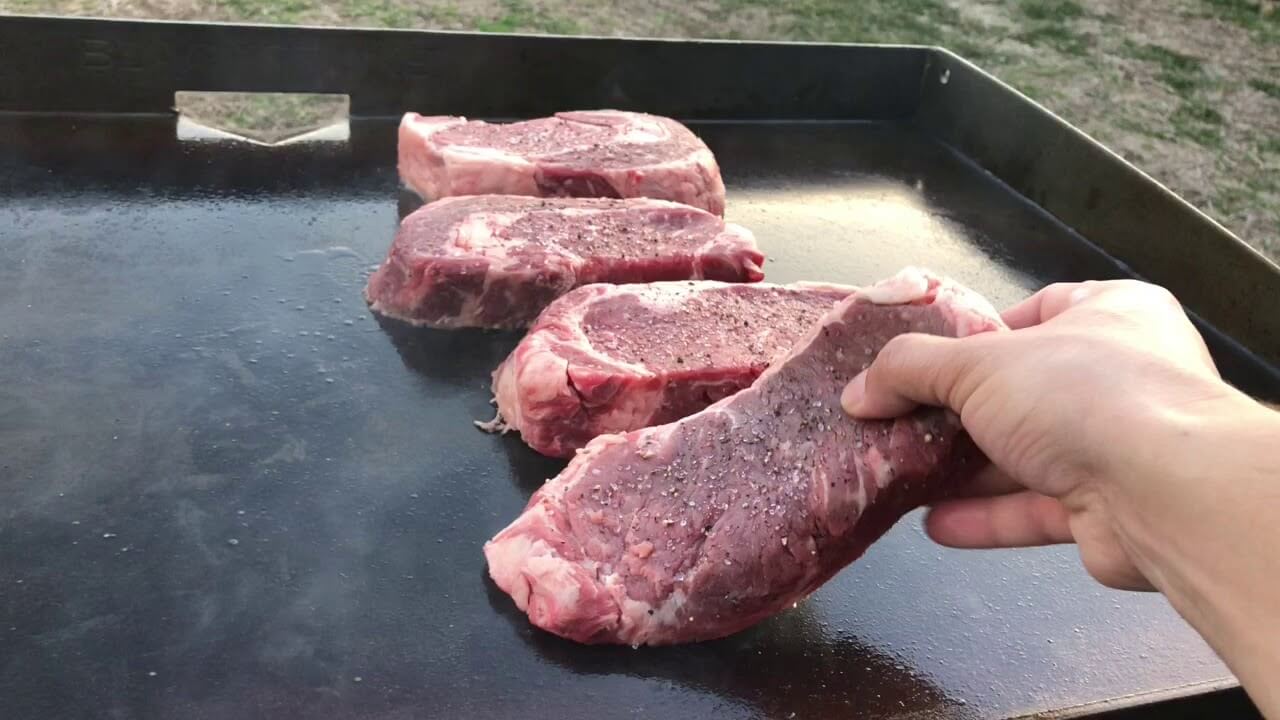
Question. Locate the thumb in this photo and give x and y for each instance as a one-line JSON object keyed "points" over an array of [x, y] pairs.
{"points": [[913, 369]]}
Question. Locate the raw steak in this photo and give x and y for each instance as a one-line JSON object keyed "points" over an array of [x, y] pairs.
{"points": [[612, 358], [700, 528], [497, 260], [595, 153]]}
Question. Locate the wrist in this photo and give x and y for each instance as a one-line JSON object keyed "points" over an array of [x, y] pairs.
{"points": [[1199, 522], [1186, 462]]}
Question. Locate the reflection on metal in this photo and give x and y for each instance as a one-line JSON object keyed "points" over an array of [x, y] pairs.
{"points": [[190, 130], [262, 118]]}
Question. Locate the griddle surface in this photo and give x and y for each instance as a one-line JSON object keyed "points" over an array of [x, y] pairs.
{"points": [[228, 491]]}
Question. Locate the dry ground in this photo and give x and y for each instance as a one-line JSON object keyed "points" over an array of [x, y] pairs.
{"points": [[1189, 90]]}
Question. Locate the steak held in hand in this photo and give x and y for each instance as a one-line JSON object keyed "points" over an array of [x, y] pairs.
{"points": [[700, 528]]}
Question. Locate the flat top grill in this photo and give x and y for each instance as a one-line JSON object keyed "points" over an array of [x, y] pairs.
{"points": [[233, 492]]}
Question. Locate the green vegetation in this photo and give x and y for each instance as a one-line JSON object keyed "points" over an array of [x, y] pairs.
{"points": [[276, 11], [927, 22], [1266, 86], [1057, 36], [1051, 10], [521, 16], [1051, 24], [1247, 14], [1198, 122], [1139, 128], [1183, 73]]}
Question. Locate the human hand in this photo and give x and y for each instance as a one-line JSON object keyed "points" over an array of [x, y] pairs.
{"points": [[1079, 408]]}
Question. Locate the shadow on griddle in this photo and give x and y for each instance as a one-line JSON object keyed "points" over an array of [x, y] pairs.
{"points": [[406, 202], [529, 468], [467, 356], [788, 666]]}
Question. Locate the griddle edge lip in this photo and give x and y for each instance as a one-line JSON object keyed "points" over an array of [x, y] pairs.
{"points": [[1183, 701]]}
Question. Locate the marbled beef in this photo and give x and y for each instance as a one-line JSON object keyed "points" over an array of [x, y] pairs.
{"points": [[700, 528], [497, 260], [612, 358], [590, 153]]}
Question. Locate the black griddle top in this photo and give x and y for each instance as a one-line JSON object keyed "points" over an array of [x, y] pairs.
{"points": [[230, 492]]}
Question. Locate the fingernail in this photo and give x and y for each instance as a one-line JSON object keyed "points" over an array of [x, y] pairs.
{"points": [[853, 393]]}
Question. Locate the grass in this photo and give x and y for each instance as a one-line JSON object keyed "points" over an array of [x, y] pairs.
{"points": [[1182, 73], [1140, 128], [1050, 23], [1265, 86], [1198, 122], [1055, 36], [925, 22], [1248, 14], [281, 11], [519, 15], [1051, 10], [1194, 119]]}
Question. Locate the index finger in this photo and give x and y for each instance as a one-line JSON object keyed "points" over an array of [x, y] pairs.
{"points": [[1046, 304], [1023, 519]]}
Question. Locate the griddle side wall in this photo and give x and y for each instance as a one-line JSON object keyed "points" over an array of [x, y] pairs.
{"points": [[1113, 204], [74, 65]]}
